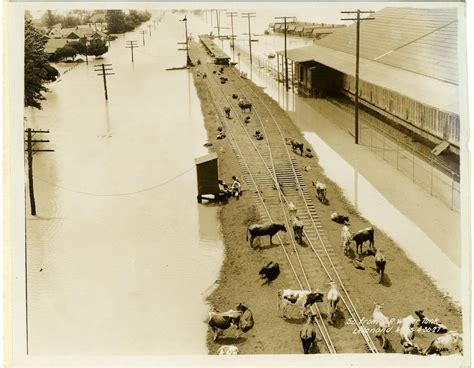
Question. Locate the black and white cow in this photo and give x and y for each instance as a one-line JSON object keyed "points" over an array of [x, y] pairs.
{"points": [[302, 299], [240, 319], [340, 219], [270, 229], [321, 191], [430, 325], [450, 343], [380, 264], [308, 334]]}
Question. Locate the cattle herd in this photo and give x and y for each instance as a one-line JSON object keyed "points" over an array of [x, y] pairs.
{"points": [[242, 320]]}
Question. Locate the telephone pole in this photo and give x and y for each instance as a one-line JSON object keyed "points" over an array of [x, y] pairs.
{"points": [[131, 45], [286, 52], [358, 19], [104, 69], [248, 16], [149, 28], [218, 20], [30, 149], [188, 60], [143, 35], [232, 37]]}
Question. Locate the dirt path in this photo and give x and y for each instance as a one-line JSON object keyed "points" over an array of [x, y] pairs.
{"points": [[406, 287]]}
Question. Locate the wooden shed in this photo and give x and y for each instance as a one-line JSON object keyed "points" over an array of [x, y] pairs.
{"points": [[207, 175]]}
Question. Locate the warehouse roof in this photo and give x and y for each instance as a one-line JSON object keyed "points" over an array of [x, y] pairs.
{"points": [[429, 91], [418, 40]]}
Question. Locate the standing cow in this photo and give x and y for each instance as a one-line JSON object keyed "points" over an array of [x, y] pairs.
{"points": [[362, 236], [302, 299], [298, 229], [320, 191], [333, 299], [256, 230], [308, 333], [380, 264]]}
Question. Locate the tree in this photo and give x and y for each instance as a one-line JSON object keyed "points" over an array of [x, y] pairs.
{"points": [[38, 71], [97, 47], [28, 15], [49, 19], [116, 21], [66, 52]]}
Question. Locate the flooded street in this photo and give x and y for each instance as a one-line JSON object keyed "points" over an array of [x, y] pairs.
{"points": [[397, 206], [120, 256]]}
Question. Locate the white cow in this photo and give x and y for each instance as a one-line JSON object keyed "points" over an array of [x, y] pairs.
{"points": [[346, 237], [407, 334], [383, 324], [292, 209], [333, 300], [320, 191], [228, 350], [303, 299], [450, 342]]}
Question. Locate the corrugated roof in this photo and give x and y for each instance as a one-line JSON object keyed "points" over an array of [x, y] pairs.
{"points": [[418, 40], [427, 90]]}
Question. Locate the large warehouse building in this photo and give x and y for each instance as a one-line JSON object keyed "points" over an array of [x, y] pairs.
{"points": [[408, 69]]}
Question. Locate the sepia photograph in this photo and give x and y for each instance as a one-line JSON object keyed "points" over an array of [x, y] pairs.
{"points": [[282, 182]]}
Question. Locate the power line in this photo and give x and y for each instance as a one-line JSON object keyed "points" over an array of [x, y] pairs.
{"points": [[119, 194], [286, 52], [131, 45], [103, 69], [232, 37], [248, 16], [358, 19]]}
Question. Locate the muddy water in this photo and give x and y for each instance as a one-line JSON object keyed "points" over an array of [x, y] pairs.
{"points": [[120, 256], [424, 227]]}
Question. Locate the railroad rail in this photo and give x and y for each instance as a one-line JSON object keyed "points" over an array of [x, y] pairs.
{"points": [[272, 168]]}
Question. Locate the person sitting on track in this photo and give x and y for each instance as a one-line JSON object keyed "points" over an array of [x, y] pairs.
{"points": [[247, 120], [224, 188], [235, 187]]}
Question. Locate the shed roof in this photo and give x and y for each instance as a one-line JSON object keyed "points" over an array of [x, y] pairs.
{"points": [[299, 29], [430, 91], [418, 40], [205, 158]]}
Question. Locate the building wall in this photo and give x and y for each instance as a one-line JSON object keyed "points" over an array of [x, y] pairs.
{"points": [[440, 124]]}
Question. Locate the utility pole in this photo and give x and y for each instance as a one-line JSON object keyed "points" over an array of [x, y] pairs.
{"points": [[358, 19], [131, 45], [286, 52], [30, 149], [154, 23], [143, 35], [218, 20], [104, 68], [188, 60], [248, 16], [149, 28], [232, 37]]}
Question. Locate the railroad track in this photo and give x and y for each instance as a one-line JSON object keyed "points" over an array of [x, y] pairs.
{"points": [[269, 167]]}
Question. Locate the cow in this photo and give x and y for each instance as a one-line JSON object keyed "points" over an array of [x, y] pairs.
{"points": [[234, 96], [407, 335], [430, 325], [227, 112], [270, 272], [346, 237], [320, 191], [240, 319], [256, 230], [220, 321], [362, 236], [295, 145], [450, 342], [298, 229], [380, 264], [308, 333], [340, 219], [303, 299], [333, 299], [244, 105], [292, 209], [383, 324], [228, 350]]}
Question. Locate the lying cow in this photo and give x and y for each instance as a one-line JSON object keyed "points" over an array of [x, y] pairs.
{"points": [[228, 350], [240, 319], [292, 209], [256, 230], [308, 334], [270, 272], [302, 299], [320, 191], [430, 325], [362, 236], [298, 229], [450, 342], [380, 264], [340, 219]]}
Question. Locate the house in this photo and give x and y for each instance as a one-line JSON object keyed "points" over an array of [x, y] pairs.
{"points": [[53, 44]]}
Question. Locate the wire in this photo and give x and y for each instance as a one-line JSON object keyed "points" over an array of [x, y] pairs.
{"points": [[119, 194]]}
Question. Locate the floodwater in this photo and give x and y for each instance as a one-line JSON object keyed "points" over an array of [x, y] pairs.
{"points": [[425, 228], [121, 256]]}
